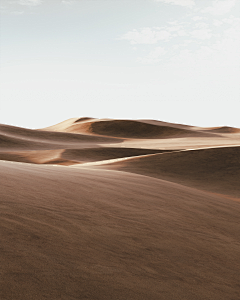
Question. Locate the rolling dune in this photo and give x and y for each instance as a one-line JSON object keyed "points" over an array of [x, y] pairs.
{"points": [[216, 170], [74, 156], [119, 209], [99, 154], [55, 138]]}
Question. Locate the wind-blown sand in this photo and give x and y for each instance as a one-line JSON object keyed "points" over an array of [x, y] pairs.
{"points": [[119, 209]]}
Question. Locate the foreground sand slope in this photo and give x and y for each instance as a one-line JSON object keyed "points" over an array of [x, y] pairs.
{"points": [[69, 233]]}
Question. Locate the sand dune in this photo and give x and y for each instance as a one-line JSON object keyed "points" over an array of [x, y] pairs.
{"points": [[99, 154], [73, 156], [130, 129], [37, 157], [216, 170], [51, 137], [16, 138], [223, 129], [134, 129], [116, 209], [11, 143]]}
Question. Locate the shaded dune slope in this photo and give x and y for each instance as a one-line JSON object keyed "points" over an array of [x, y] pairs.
{"points": [[134, 129], [99, 234], [214, 169]]}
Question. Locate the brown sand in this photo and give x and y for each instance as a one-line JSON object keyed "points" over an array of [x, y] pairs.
{"points": [[128, 221]]}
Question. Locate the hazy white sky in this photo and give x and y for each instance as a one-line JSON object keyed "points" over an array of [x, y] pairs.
{"points": [[171, 60]]}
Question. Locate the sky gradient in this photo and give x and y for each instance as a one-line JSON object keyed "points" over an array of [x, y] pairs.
{"points": [[171, 60]]}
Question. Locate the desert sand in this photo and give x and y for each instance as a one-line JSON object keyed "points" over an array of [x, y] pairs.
{"points": [[119, 210]]}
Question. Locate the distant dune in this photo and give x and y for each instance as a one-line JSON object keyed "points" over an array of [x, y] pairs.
{"points": [[22, 138], [224, 129], [107, 209], [130, 129]]}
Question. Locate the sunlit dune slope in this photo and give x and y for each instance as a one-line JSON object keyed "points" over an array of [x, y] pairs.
{"points": [[213, 169], [69, 233], [63, 126]]}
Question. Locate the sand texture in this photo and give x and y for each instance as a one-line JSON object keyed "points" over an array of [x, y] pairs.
{"points": [[106, 209]]}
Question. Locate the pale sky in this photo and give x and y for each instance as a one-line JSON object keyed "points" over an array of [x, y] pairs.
{"points": [[170, 60]]}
